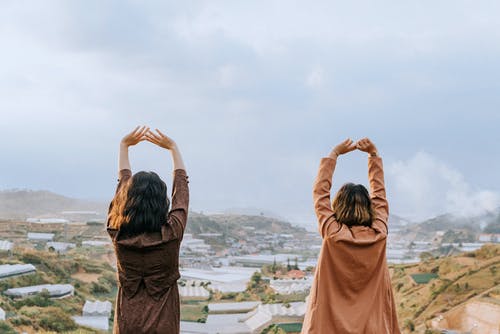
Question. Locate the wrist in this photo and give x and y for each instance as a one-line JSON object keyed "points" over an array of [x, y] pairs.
{"points": [[333, 155], [173, 148], [373, 153]]}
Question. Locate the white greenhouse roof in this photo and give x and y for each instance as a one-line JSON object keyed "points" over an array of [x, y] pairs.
{"points": [[55, 290], [60, 246], [95, 243], [8, 270], [40, 236], [97, 308], [296, 309], [47, 220], [193, 291], [233, 307], [96, 322], [5, 245], [289, 286]]}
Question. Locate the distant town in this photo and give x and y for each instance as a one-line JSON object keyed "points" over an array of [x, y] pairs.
{"points": [[239, 274]]}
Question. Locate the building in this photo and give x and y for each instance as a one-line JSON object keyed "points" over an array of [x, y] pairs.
{"points": [[224, 279], [6, 247], [191, 245], [259, 260], [97, 308], [189, 292], [489, 237], [95, 314], [250, 318], [13, 270], [59, 247], [40, 237], [54, 290], [47, 220], [95, 243], [290, 286], [239, 307]]}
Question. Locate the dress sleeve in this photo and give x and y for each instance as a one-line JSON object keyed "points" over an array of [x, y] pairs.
{"points": [[123, 176], [328, 225], [177, 217], [377, 193]]}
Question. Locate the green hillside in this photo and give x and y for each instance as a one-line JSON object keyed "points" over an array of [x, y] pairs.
{"points": [[435, 286]]}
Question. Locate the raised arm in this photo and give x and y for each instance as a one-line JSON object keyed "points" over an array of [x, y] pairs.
{"points": [[124, 172], [321, 190], [134, 137], [377, 184], [177, 216]]}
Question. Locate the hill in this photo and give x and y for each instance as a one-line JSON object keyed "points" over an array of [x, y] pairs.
{"points": [[21, 204], [456, 228], [438, 287]]}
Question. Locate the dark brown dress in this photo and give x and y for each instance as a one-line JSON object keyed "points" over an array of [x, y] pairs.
{"points": [[148, 269]]}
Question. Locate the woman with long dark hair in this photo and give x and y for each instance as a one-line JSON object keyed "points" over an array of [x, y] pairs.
{"points": [[351, 292], [146, 234]]}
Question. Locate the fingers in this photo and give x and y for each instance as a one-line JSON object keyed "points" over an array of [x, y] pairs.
{"points": [[132, 133], [152, 140], [363, 143], [140, 133], [351, 148], [160, 133], [152, 137], [347, 142]]}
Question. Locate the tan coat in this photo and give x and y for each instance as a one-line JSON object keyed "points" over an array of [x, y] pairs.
{"points": [[148, 269], [351, 292]]}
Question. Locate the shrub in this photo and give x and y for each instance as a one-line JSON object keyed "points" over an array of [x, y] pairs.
{"points": [[408, 324], [99, 288], [20, 320], [41, 300], [54, 319], [6, 329]]}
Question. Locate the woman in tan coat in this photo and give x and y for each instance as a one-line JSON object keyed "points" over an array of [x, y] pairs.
{"points": [[146, 235], [351, 292]]}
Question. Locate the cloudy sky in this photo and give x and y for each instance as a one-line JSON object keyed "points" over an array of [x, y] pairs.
{"points": [[255, 93]]}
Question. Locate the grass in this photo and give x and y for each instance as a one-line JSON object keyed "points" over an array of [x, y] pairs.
{"points": [[194, 312], [423, 278], [291, 327]]}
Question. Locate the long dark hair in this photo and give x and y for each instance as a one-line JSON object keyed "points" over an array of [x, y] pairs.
{"points": [[352, 205], [141, 205]]}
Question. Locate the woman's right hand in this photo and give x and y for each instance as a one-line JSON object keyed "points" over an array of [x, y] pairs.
{"points": [[344, 147], [161, 140], [367, 146]]}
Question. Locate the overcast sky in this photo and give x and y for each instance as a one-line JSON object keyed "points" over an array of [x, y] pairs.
{"points": [[255, 93]]}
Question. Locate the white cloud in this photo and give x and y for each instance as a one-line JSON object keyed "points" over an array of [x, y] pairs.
{"points": [[315, 78], [424, 186]]}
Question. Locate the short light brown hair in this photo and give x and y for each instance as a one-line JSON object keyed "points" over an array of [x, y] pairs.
{"points": [[352, 205]]}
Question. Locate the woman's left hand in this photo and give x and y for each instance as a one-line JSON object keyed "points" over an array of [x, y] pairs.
{"points": [[136, 136]]}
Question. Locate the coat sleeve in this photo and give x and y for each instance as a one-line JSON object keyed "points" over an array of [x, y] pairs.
{"points": [[328, 225], [177, 217], [377, 193], [123, 176]]}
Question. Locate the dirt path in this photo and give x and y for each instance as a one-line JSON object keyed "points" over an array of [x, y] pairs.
{"points": [[86, 277]]}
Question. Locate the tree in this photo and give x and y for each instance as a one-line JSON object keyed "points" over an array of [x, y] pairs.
{"points": [[274, 267], [426, 256], [408, 324]]}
